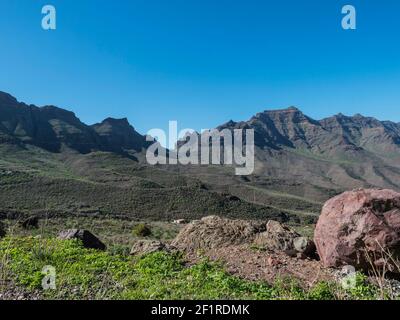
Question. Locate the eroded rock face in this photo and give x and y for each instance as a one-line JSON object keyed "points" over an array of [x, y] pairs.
{"points": [[89, 240], [357, 226]]}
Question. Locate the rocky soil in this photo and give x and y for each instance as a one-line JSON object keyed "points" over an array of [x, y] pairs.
{"points": [[9, 291], [254, 250], [253, 264]]}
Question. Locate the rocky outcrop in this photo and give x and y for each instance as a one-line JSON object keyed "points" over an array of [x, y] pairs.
{"points": [[89, 240], [360, 228], [117, 135], [215, 232], [279, 237], [143, 247], [211, 232]]}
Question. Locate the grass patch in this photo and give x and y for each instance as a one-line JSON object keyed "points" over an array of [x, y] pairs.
{"points": [[91, 274]]}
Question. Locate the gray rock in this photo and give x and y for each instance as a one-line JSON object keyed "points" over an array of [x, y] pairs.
{"points": [[279, 237], [143, 247], [304, 245], [276, 237]]}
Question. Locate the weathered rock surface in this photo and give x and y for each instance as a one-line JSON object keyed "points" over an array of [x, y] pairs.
{"points": [[215, 232], [279, 237], [143, 247], [211, 232], [357, 226], [304, 246], [89, 240]]}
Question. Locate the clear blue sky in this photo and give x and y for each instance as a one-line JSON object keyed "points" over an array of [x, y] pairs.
{"points": [[202, 62]]}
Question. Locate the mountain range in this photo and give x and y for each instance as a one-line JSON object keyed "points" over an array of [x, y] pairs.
{"points": [[52, 128], [52, 162]]}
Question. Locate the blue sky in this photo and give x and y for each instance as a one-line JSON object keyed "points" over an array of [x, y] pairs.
{"points": [[202, 62]]}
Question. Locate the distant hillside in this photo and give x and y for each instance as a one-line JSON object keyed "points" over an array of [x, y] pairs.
{"points": [[329, 155], [52, 162]]}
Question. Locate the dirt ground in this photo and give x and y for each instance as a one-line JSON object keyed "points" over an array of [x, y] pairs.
{"points": [[253, 264]]}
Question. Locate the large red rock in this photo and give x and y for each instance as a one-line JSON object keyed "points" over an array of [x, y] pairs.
{"points": [[357, 226]]}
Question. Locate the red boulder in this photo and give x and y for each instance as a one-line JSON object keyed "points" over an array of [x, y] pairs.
{"points": [[360, 228]]}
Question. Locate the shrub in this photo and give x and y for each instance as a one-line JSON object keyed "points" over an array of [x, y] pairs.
{"points": [[322, 291], [307, 220], [361, 289], [119, 250], [141, 230]]}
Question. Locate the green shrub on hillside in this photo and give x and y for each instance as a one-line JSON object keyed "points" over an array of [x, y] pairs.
{"points": [[141, 230]]}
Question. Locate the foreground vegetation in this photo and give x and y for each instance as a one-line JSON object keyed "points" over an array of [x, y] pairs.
{"points": [[91, 274]]}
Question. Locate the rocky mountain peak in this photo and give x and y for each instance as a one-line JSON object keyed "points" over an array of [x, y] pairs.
{"points": [[118, 134], [6, 98], [116, 122]]}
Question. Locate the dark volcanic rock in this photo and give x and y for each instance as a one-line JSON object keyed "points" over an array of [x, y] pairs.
{"points": [[30, 223], [2, 229], [357, 227], [88, 239]]}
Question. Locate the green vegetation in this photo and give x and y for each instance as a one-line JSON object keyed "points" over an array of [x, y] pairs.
{"points": [[141, 230], [115, 233], [109, 185], [33, 180], [91, 274], [361, 289]]}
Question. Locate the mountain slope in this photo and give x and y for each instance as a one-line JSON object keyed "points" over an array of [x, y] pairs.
{"points": [[51, 161], [53, 128], [327, 156]]}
